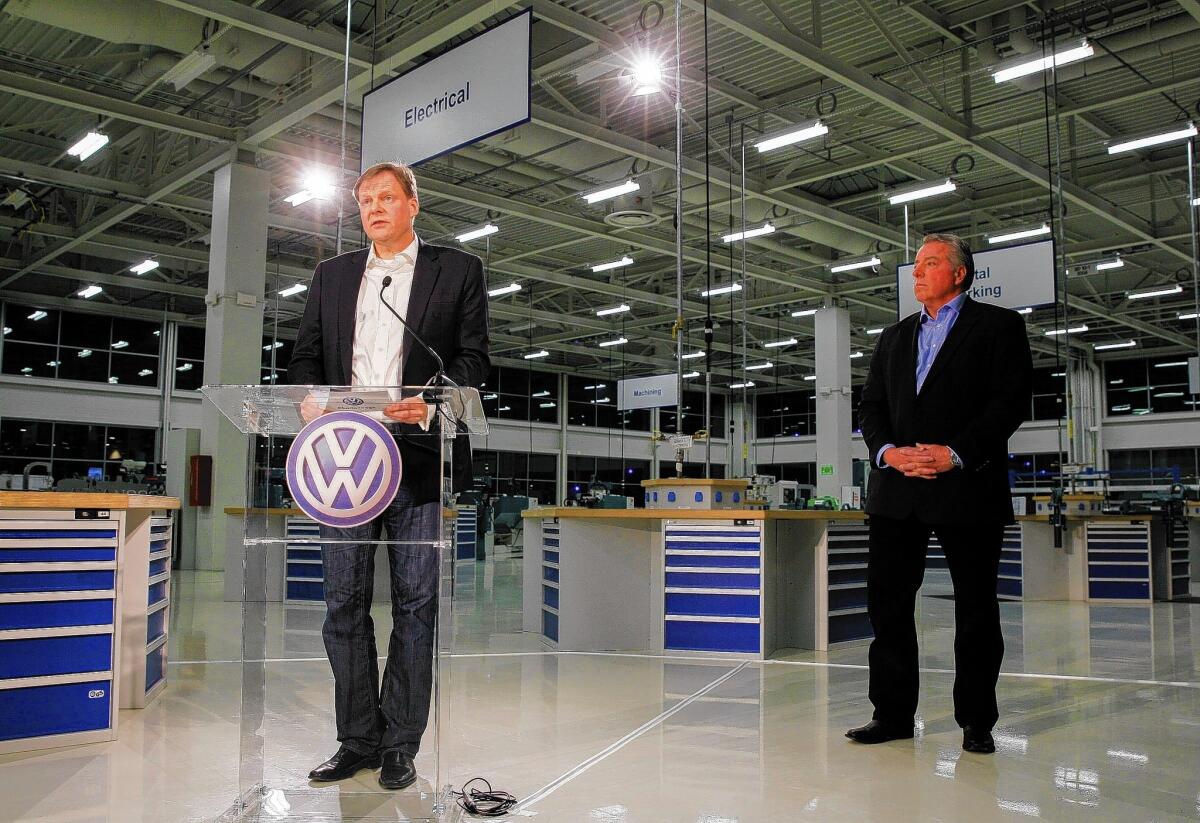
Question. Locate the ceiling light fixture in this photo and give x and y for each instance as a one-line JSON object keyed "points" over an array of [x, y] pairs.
{"points": [[646, 76], [792, 136], [620, 341], [810, 377], [612, 191], [1189, 316], [749, 384], [1019, 234], [621, 309], [88, 292], [856, 355], [317, 186], [511, 288], [760, 366], [88, 145], [295, 288], [922, 191], [145, 373], [873, 332], [37, 315], [1104, 265], [1143, 295], [690, 375], [778, 344], [535, 355], [144, 267], [190, 66], [612, 264], [693, 355], [1072, 330], [1073, 54], [1124, 344], [1153, 139], [732, 287], [858, 264], [1026, 310], [121, 344], [805, 313], [758, 231], [474, 234]]}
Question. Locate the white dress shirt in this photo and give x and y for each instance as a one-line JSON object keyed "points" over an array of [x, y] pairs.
{"points": [[378, 357]]}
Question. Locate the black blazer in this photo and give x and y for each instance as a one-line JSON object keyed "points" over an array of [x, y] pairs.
{"points": [[447, 306], [978, 391]]}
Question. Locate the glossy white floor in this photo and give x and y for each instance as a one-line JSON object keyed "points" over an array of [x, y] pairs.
{"points": [[1100, 720]]}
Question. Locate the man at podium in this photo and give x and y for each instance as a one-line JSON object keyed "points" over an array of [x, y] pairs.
{"points": [[370, 319]]}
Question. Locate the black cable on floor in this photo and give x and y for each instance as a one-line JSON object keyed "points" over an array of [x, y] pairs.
{"points": [[487, 802]]}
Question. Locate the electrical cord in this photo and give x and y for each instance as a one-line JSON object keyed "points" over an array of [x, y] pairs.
{"points": [[484, 803]]}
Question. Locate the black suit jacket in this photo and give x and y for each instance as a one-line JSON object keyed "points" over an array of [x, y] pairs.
{"points": [[448, 308], [978, 391]]}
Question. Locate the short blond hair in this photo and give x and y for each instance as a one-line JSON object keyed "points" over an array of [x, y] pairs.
{"points": [[403, 174]]}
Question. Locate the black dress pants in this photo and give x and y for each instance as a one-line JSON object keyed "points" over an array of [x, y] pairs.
{"points": [[895, 569]]}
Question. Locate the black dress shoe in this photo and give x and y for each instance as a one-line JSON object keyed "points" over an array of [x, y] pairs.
{"points": [[877, 732], [978, 741], [398, 771], [346, 763]]}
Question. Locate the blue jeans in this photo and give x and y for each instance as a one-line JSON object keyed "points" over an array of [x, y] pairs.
{"points": [[392, 718]]}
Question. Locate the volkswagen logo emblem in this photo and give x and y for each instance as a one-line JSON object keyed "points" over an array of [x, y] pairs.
{"points": [[343, 469], [352, 401]]}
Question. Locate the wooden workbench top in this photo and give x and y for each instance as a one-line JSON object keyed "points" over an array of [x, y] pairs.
{"points": [[240, 511], [696, 481], [85, 500], [579, 513]]}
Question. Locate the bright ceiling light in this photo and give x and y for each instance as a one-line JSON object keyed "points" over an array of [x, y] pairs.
{"points": [[534, 355], [778, 344], [1072, 330], [621, 309], [732, 287], [856, 355], [613, 264], [278, 344], [761, 366], [1196, 201], [89, 145], [612, 191], [317, 186], [620, 341], [37, 315], [1124, 344], [749, 384], [646, 76], [690, 375], [1104, 265], [511, 288], [475, 234], [8, 330], [144, 266], [299, 198], [1026, 310], [922, 191], [1189, 316], [1019, 234], [805, 313], [145, 373], [693, 355], [1142, 295], [88, 292], [1153, 139], [765, 228], [810, 377], [184, 367], [84, 353], [295, 288], [857, 264], [121, 344], [792, 136], [1171, 364], [1073, 54]]}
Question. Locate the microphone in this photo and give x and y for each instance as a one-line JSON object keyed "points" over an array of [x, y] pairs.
{"points": [[439, 378]]}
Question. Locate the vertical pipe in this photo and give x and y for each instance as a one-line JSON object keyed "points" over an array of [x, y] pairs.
{"points": [[745, 299], [345, 103], [907, 254], [1191, 158], [679, 214]]}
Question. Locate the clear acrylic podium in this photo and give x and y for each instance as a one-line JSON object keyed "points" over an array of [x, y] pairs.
{"points": [[286, 713]]}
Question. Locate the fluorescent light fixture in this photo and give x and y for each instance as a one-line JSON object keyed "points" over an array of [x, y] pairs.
{"points": [[546, 405], [647, 76], [542, 393], [858, 264], [810, 377], [621, 309], [121, 344], [1142, 295], [27, 370], [759, 231], [491, 397], [1020, 234], [922, 191], [1196, 201], [84, 353], [1171, 364], [88, 292], [1153, 140], [37, 315], [189, 67], [53, 363], [875, 331], [761, 366], [778, 344], [1168, 394], [89, 145], [732, 287], [1125, 407], [620, 341], [15, 199], [690, 375], [1058, 374], [7, 330], [295, 288], [1116, 382], [591, 388], [278, 344], [144, 266], [1072, 330], [299, 198], [747, 385], [1104, 265], [1026, 310], [856, 355], [805, 313], [475, 234], [1074, 54], [601, 400], [612, 191], [613, 264], [511, 288], [1188, 316], [184, 367], [1124, 344], [317, 186], [535, 355], [145, 372], [693, 355], [792, 136]]}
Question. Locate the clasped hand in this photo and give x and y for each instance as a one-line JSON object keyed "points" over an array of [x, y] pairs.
{"points": [[924, 460]]}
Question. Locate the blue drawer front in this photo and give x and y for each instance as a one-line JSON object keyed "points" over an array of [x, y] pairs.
{"points": [[157, 593], [57, 581], [550, 574], [713, 561], [158, 544], [749, 546], [550, 596], [712, 581], [843, 627], [39, 656], [1119, 557], [847, 598], [156, 666], [1123, 571], [46, 710], [57, 555], [55, 613], [550, 625], [158, 567], [717, 605], [550, 541], [465, 549], [549, 557], [1132, 545], [683, 635], [303, 554], [1008, 587], [1011, 569], [298, 590], [156, 625], [59, 534], [310, 570], [1118, 590]]}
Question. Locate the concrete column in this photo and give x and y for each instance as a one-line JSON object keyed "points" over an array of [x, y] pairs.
{"points": [[833, 401], [237, 272]]}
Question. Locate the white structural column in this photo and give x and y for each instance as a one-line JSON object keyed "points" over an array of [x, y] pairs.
{"points": [[232, 340], [833, 400]]}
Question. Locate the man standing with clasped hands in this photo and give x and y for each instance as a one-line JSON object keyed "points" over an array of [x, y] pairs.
{"points": [[947, 387]]}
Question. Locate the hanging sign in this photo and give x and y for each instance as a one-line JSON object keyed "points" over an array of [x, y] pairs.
{"points": [[474, 90], [1014, 277], [648, 392]]}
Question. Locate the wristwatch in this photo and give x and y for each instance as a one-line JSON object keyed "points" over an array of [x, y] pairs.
{"points": [[955, 460]]}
